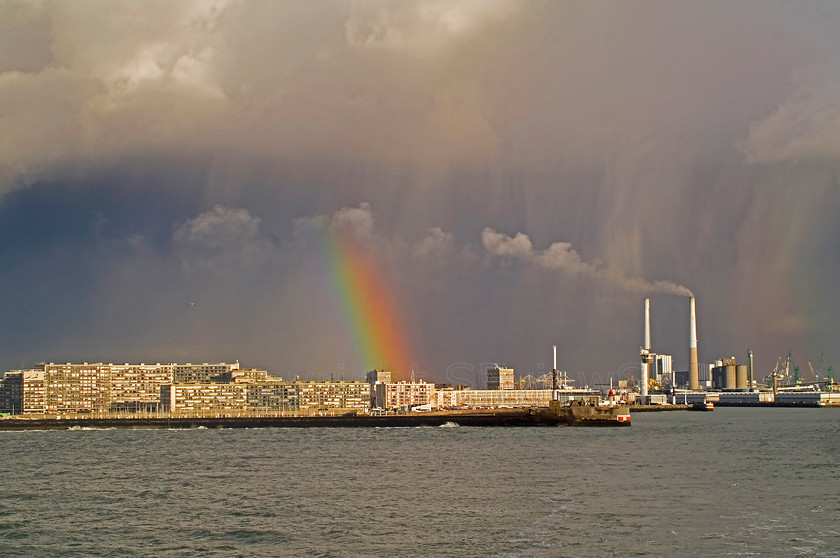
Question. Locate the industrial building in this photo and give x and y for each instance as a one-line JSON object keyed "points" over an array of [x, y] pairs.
{"points": [[728, 374]]}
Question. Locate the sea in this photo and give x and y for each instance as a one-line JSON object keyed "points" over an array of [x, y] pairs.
{"points": [[733, 482]]}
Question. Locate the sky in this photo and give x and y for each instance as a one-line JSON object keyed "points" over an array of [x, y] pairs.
{"points": [[303, 186]]}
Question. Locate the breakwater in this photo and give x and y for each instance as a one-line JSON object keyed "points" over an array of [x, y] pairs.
{"points": [[554, 416]]}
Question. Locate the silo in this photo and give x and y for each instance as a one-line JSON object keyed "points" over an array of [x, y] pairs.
{"points": [[741, 377], [730, 382]]}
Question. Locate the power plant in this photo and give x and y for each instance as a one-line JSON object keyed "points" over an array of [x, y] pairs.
{"points": [[725, 381]]}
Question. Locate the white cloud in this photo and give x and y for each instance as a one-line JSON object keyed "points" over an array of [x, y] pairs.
{"points": [[221, 237], [561, 256], [499, 244]]}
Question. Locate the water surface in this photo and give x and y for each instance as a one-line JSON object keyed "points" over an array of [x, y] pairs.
{"points": [[735, 482]]}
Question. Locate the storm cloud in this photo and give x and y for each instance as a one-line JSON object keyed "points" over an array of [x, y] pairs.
{"points": [[523, 172]]}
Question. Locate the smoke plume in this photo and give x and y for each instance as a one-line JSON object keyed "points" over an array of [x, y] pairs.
{"points": [[561, 256]]}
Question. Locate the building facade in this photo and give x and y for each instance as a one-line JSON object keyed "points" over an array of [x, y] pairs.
{"points": [[74, 388], [494, 398], [99, 387], [404, 395], [136, 387], [314, 397], [377, 377], [203, 373], [247, 395], [500, 378]]}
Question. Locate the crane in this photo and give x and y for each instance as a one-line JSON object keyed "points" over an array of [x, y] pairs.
{"points": [[828, 371]]}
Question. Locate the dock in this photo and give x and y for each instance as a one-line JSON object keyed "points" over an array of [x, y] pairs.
{"points": [[555, 415]]}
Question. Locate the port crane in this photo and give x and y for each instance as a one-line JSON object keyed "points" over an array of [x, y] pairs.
{"points": [[829, 373], [782, 370], [816, 375]]}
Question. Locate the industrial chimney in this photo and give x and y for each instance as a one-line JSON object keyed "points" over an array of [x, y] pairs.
{"points": [[643, 381], [693, 372]]}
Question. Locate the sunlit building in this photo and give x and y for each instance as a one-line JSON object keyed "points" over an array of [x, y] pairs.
{"points": [[490, 398], [322, 396], [500, 378], [77, 387], [404, 395], [203, 373]]}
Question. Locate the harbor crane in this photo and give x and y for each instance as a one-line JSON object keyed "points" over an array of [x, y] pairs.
{"points": [[829, 373]]}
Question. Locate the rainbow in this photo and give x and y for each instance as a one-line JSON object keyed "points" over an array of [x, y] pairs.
{"points": [[370, 314]]}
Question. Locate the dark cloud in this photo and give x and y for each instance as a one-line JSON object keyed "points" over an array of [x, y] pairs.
{"points": [[163, 166]]}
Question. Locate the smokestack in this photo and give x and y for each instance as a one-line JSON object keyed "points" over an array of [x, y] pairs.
{"points": [[693, 372], [554, 375], [555, 357], [750, 368], [645, 353]]}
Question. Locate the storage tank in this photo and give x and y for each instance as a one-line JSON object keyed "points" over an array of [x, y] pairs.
{"points": [[741, 377], [730, 382]]}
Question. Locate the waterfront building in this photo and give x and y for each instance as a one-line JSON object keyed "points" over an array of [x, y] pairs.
{"points": [[136, 387], [271, 396], [322, 396], [403, 395], [76, 387], [204, 398], [490, 398], [98, 387], [500, 378], [262, 392], [34, 391], [445, 397], [252, 376], [377, 377], [12, 391], [203, 373]]}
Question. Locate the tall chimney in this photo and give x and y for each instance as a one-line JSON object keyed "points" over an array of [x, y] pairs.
{"points": [[750, 369], [693, 372], [643, 381]]}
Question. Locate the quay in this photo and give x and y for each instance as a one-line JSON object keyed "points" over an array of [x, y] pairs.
{"points": [[555, 415]]}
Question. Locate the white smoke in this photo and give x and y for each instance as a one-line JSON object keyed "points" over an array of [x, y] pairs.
{"points": [[561, 256]]}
